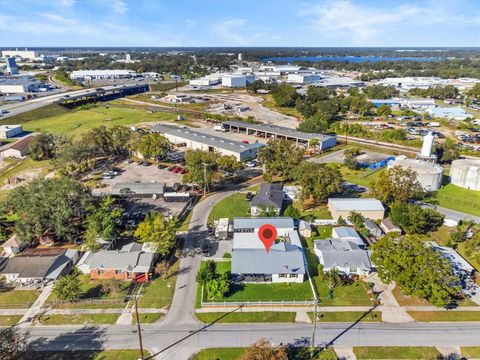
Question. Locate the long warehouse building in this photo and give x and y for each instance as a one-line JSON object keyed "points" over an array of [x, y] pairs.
{"points": [[198, 140], [280, 132]]}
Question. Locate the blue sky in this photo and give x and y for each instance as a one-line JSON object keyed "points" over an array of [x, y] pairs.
{"points": [[239, 23]]}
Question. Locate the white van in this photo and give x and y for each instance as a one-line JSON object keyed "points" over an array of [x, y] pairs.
{"points": [[219, 128]]}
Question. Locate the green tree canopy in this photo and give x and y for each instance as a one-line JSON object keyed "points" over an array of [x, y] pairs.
{"points": [[318, 181], [67, 287], [159, 231], [280, 157], [416, 268], [153, 145], [397, 184], [413, 219], [57, 205], [46, 145], [198, 173]]}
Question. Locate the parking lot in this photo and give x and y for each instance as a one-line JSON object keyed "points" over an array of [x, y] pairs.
{"points": [[133, 172]]}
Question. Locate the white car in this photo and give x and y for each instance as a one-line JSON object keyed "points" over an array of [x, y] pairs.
{"points": [[250, 164]]}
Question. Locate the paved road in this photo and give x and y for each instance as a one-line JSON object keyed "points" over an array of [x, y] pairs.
{"points": [[178, 341]]}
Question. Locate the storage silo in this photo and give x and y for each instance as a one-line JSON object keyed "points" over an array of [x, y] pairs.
{"points": [[429, 175], [427, 146], [466, 173]]}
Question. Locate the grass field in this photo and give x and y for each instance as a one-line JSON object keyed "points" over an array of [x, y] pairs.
{"points": [[471, 351], [268, 102], [429, 316], [360, 177], [395, 352], [92, 289], [58, 120], [406, 300], [236, 353], [232, 206], [247, 317], [83, 355], [9, 320], [17, 166], [147, 318], [471, 258], [347, 316], [18, 299], [77, 319], [460, 199]]}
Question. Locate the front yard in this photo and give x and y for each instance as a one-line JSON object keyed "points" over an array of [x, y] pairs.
{"points": [[131, 354], [450, 315], [247, 317], [395, 352], [93, 290], [77, 319], [18, 299], [347, 316]]}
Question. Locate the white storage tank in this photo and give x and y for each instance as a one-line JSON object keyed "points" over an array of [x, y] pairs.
{"points": [[466, 173], [429, 175], [427, 145]]}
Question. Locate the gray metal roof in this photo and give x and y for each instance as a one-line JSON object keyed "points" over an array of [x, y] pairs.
{"points": [[269, 195], [345, 232], [19, 80], [255, 223], [30, 266], [139, 188], [280, 130], [353, 204], [135, 261], [204, 138], [370, 225], [282, 258], [342, 253]]}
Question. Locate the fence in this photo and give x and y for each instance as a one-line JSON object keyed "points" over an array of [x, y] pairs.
{"points": [[249, 303]]}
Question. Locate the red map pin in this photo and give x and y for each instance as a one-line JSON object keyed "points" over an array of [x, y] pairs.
{"points": [[267, 234]]}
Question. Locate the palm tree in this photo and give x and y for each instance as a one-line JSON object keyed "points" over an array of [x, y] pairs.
{"points": [[333, 278]]}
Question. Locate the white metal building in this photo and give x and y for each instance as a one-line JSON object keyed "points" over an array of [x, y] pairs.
{"points": [[18, 84], [24, 54], [466, 173], [8, 131], [197, 140], [101, 74], [429, 174], [233, 81], [303, 78]]}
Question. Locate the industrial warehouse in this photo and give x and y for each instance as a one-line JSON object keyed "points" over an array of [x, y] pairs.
{"points": [[279, 132], [197, 140]]}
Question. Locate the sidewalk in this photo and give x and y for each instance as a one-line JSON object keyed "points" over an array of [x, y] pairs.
{"points": [[30, 313]]}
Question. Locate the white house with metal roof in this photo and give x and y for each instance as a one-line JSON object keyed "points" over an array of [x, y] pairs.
{"points": [[343, 255], [347, 233], [284, 262]]}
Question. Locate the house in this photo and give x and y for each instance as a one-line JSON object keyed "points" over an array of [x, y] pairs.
{"points": [[372, 228], [36, 266], [129, 263], [367, 207], [270, 196], [19, 148], [343, 255], [388, 226], [284, 225], [284, 262], [13, 245], [348, 233]]}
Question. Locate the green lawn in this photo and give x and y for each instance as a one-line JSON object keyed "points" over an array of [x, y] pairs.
{"points": [[263, 292], [232, 206], [74, 122], [460, 199], [147, 318], [359, 177], [9, 320], [451, 315], [18, 299], [347, 316], [471, 351], [183, 226], [320, 212], [158, 293], [395, 352], [40, 113], [270, 103], [472, 258], [83, 355], [236, 353], [92, 289], [247, 317], [77, 319]]}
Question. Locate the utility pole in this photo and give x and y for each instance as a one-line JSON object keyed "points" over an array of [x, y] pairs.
{"points": [[138, 328], [205, 177], [314, 329]]}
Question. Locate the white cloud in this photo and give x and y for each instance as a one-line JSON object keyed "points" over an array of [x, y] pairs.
{"points": [[66, 2], [236, 31], [119, 6], [190, 23], [57, 18], [360, 23]]}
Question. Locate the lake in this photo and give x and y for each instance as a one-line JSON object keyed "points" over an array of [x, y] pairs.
{"points": [[352, 59]]}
